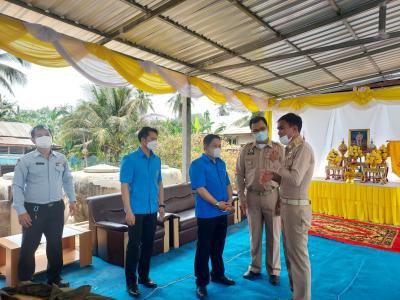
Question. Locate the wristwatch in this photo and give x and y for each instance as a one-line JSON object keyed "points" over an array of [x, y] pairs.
{"points": [[216, 204]]}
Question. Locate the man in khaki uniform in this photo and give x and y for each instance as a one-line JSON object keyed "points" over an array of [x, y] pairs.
{"points": [[295, 175], [260, 200]]}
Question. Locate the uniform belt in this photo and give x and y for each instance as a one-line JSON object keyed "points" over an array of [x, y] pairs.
{"points": [[263, 193], [50, 204], [295, 202]]}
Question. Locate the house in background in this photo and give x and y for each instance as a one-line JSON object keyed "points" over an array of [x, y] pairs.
{"points": [[237, 136], [15, 141]]}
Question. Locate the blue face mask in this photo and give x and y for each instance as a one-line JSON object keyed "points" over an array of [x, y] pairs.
{"points": [[261, 136]]}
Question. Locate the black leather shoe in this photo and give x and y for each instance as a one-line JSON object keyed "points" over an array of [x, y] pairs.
{"points": [[60, 284], [251, 275], [148, 283], [133, 291], [223, 280], [201, 292], [274, 279]]}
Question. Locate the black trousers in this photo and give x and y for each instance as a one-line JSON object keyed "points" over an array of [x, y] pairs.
{"points": [[47, 219], [210, 244], [140, 247]]}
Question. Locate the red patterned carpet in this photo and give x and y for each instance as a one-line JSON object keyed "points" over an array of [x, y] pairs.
{"points": [[356, 232]]}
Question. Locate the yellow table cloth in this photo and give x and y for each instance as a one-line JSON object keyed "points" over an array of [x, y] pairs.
{"points": [[358, 201]]}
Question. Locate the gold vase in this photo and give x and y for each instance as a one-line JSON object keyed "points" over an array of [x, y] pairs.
{"points": [[342, 148]]}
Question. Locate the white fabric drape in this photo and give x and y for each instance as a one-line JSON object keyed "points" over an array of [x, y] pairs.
{"points": [[76, 54], [325, 129]]}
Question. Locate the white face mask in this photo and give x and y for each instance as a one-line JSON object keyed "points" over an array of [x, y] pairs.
{"points": [[261, 136], [43, 142], [152, 145], [285, 140], [217, 153], [261, 146]]}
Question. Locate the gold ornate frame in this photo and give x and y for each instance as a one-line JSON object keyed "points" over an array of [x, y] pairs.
{"points": [[360, 130]]}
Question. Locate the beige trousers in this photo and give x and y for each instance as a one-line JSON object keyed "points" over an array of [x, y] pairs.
{"points": [[296, 221], [262, 212]]}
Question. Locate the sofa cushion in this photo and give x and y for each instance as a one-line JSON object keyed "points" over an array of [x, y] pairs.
{"points": [[112, 226], [179, 204], [115, 215], [187, 219], [98, 205], [178, 198]]}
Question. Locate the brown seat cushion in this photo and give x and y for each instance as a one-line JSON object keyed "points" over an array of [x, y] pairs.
{"points": [[115, 215], [112, 226], [187, 219]]}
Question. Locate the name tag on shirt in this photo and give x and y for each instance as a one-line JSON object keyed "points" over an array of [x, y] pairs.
{"points": [[40, 163], [58, 164]]}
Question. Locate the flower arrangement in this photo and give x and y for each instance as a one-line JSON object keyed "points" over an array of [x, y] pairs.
{"points": [[349, 174], [373, 159], [355, 152], [347, 164], [384, 152], [333, 157]]}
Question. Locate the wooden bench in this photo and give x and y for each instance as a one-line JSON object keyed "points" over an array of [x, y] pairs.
{"points": [[73, 251]]}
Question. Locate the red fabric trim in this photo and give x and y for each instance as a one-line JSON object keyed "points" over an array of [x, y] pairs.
{"points": [[339, 229]]}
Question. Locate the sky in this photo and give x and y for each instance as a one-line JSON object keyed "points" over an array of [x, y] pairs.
{"points": [[60, 86]]}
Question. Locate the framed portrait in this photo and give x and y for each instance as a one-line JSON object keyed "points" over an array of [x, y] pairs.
{"points": [[359, 137]]}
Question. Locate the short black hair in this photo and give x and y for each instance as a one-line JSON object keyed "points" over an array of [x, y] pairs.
{"points": [[256, 119], [209, 138], [145, 132], [292, 119], [39, 127]]}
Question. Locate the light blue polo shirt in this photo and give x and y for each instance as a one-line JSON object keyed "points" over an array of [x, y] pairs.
{"points": [[212, 176], [143, 175]]}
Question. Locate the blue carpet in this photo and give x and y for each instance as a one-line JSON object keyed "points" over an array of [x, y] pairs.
{"points": [[339, 271]]}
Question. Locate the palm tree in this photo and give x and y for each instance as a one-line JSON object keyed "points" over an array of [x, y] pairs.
{"points": [[176, 104], [143, 102], [106, 120], [206, 122], [202, 123], [7, 110], [223, 110], [9, 75], [244, 121], [221, 127]]}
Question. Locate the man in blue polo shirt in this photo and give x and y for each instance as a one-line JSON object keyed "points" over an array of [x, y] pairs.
{"points": [[143, 196], [209, 178]]}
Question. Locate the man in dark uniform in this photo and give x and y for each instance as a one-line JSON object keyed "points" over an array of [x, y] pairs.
{"points": [[39, 179]]}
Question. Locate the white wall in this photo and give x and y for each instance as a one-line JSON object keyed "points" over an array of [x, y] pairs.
{"points": [[325, 129]]}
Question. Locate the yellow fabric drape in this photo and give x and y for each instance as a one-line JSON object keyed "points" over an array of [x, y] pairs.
{"points": [[16, 40], [268, 117], [247, 101], [394, 150], [131, 70], [363, 202], [361, 96], [207, 89]]}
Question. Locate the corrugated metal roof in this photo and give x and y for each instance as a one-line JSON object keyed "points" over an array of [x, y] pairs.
{"points": [[15, 129], [13, 141], [192, 36]]}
